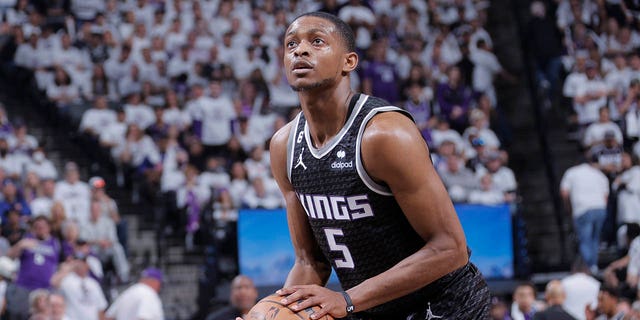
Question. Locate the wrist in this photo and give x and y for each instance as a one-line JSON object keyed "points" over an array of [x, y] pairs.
{"points": [[350, 308]]}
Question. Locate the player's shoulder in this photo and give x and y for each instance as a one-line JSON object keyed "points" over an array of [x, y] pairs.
{"points": [[281, 136]]}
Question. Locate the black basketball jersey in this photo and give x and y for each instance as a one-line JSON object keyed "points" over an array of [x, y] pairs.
{"points": [[356, 221]]}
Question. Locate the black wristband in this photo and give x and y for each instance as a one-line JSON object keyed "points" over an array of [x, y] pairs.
{"points": [[350, 307]]}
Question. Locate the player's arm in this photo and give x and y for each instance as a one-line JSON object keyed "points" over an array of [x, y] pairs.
{"points": [[310, 265], [424, 201], [394, 152]]}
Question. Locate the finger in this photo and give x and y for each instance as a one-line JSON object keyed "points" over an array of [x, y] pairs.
{"points": [[293, 297], [306, 303], [320, 313]]}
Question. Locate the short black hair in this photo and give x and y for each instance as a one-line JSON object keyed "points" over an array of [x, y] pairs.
{"points": [[343, 29]]}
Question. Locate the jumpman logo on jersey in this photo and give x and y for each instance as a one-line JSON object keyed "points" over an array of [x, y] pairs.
{"points": [[430, 314], [300, 163]]}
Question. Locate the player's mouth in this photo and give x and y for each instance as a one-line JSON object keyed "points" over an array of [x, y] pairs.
{"points": [[301, 66]]}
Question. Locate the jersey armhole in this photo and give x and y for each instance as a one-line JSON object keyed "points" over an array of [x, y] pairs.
{"points": [[291, 145], [362, 172]]}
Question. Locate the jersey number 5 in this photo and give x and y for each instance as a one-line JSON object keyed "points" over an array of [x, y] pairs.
{"points": [[347, 262]]}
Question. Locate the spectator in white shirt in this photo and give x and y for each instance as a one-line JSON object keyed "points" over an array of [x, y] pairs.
{"points": [[73, 194], [458, 179], [97, 119], [502, 177], [239, 183], [86, 10], [627, 187], [137, 150], [217, 113], [480, 128], [585, 190], [577, 77], [63, 92], [581, 291], [41, 205], [8, 162], [488, 194], [486, 68], [262, 194], [595, 132], [42, 166], [138, 113], [100, 232], [590, 96], [83, 294], [26, 55], [191, 198], [141, 300], [258, 164], [113, 134], [443, 132], [131, 83], [215, 177]]}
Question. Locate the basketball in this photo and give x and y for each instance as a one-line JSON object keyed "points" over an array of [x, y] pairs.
{"points": [[270, 308]]}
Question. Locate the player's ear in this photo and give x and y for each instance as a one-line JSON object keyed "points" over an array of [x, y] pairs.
{"points": [[350, 62]]}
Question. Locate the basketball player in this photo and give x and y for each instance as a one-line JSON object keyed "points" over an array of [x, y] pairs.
{"points": [[363, 197]]}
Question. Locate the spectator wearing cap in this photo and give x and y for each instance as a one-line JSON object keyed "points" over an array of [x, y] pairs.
{"points": [[585, 189], [39, 254], [73, 194], [595, 132], [100, 232], [41, 166], [82, 294], [109, 208], [141, 300], [13, 200], [98, 118], [480, 128]]}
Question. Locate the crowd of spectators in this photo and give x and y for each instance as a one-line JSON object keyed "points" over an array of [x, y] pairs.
{"points": [[586, 59], [185, 95], [182, 98], [53, 228]]}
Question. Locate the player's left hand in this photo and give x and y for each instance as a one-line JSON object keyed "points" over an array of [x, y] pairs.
{"points": [[301, 297]]}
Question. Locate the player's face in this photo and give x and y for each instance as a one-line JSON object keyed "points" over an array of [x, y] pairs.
{"points": [[314, 54]]}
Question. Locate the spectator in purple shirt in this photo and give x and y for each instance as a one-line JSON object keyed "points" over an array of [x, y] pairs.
{"points": [[39, 254], [379, 77], [454, 99]]}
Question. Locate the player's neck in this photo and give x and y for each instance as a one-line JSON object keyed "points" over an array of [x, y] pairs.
{"points": [[325, 112]]}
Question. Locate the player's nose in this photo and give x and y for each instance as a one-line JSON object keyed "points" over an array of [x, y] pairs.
{"points": [[302, 49]]}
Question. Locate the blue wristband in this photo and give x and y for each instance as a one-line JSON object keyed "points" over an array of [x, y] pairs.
{"points": [[347, 298]]}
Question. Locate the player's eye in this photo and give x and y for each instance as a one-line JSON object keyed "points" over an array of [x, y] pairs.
{"points": [[291, 44], [318, 41]]}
